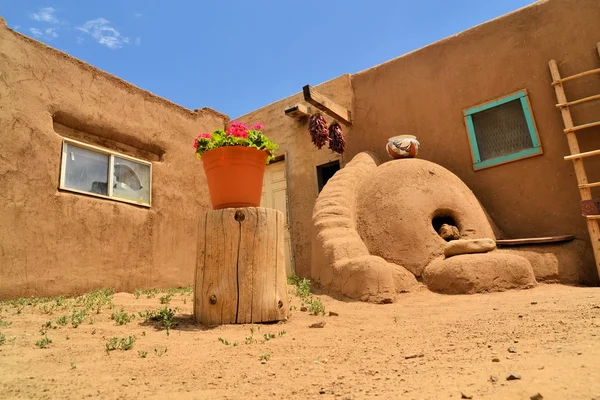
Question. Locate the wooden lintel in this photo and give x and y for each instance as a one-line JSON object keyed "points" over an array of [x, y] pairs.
{"points": [[298, 111], [327, 105]]}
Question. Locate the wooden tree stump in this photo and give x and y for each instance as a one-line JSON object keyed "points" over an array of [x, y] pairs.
{"points": [[240, 273]]}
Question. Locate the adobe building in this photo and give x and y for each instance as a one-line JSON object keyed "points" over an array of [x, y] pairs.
{"points": [[66, 228], [528, 192]]}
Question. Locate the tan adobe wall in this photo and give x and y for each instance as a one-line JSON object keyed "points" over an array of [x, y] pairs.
{"points": [[425, 92], [301, 160], [54, 242]]}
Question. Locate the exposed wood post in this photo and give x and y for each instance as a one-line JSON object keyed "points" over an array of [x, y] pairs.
{"points": [[240, 274], [327, 105]]}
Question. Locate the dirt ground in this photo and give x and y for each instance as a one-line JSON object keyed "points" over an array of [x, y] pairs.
{"points": [[425, 346]]}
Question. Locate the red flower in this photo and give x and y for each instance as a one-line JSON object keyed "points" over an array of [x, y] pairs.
{"points": [[238, 129]]}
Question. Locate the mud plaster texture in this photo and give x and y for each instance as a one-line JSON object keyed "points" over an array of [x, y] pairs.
{"points": [[55, 242], [477, 273], [425, 92], [398, 203], [341, 260], [376, 222]]}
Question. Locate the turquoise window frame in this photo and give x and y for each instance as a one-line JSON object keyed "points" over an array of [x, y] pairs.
{"points": [[535, 140]]}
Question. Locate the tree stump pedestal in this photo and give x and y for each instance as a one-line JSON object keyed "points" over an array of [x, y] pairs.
{"points": [[240, 272]]}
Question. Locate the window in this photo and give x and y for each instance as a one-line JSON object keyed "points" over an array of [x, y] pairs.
{"points": [[325, 172], [103, 173], [502, 131]]}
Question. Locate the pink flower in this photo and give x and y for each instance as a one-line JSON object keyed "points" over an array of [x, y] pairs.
{"points": [[201, 136], [238, 129], [258, 127]]}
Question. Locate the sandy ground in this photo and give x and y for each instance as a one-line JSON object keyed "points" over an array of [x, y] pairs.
{"points": [[426, 346]]}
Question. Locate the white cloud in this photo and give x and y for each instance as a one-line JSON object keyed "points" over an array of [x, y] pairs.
{"points": [[48, 33], [51, 32], [36, 32], [79, 39], [138, 41], [101, 30], [45, 14], [138, 15]]}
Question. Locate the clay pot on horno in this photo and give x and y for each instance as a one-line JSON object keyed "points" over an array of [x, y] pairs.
{"points": [[403, 146]]}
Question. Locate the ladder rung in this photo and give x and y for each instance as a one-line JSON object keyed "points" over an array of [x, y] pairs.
{"points": [[592, 217], [574, 102], [580, 127], [580, 75], [583, 155], [589, 185]]}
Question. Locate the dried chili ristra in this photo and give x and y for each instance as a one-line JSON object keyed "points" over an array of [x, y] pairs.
{"points": [[317, 126], [336, 138]]}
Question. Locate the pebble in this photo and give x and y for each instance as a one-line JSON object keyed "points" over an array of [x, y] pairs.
{"points": [[263, 361], [534, 303], [513, 376], [493, 378], [333, 314], [495, 359], [303, 308], [537, 396], [511, 349], [464, 395], [317, 325], [322, 391], [409, 356]]}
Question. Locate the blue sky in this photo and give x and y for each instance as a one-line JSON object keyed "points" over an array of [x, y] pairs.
{"points": [[236, 56]]}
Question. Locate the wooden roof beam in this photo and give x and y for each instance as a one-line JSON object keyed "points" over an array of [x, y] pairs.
{"points": [[327, 105]]}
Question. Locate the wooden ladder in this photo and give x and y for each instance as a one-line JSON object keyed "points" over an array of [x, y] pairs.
{"points": [[577, 156]]}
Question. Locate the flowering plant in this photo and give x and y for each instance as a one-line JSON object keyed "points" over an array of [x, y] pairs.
{"points": [[237, 134]]}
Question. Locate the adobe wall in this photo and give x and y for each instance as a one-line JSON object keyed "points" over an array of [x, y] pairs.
{"points": [[301, 158], [424, 93], [54, 242]]}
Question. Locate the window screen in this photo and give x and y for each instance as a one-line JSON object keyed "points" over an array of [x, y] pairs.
{"points": [[501, 130]]}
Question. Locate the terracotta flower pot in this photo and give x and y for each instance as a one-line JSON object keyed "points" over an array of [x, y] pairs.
{"points": [[235, 176], [404, 146]]}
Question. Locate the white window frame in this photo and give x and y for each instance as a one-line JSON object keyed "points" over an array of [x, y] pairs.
{"points": [[111, 155]]}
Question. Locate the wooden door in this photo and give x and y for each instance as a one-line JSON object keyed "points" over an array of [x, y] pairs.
{"points": [[274, 195]]}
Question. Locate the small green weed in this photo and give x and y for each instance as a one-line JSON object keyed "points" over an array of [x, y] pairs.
{"points": [[115, 343], [63, 320], [269, 336], [121, 317], [163, 316], [2, 339], [4, 323], [73, 366], [44, 343], [160, 352], [77, 317], [165, 299], [265, 356], [142, 353], [316, 307]]}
